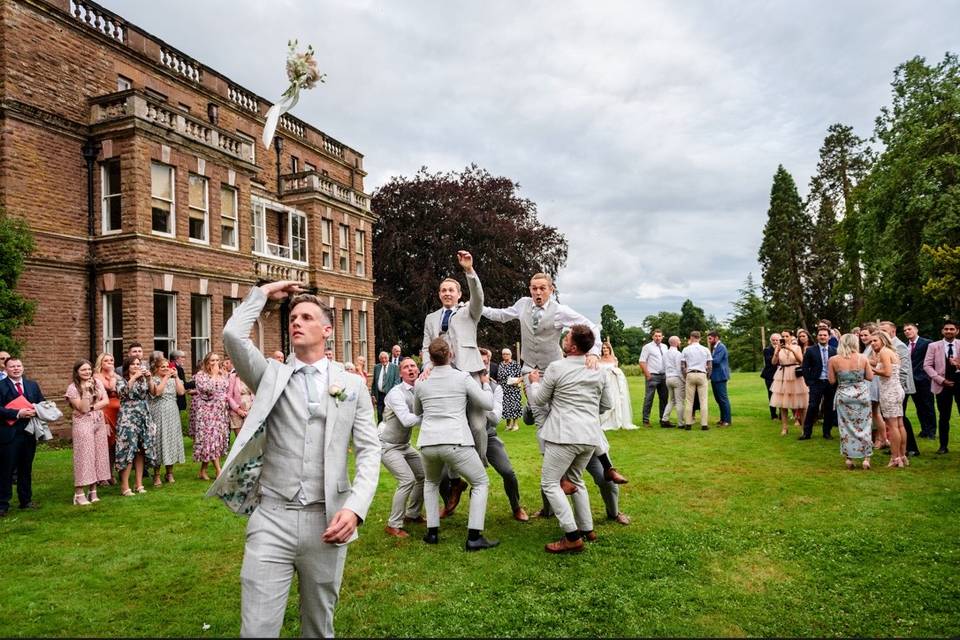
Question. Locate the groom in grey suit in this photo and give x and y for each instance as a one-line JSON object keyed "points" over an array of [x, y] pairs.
{"points": [[575, 396], [288, 466]]}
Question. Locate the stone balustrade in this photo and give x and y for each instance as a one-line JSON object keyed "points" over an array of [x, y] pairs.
{"points": [[270, 270], [132, 103], [243, 99], [180, 64], [313, 181], [97, 18]]}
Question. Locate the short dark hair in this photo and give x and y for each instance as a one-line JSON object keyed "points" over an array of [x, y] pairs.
{"points": [[309, 297], [439, 351], [714, 334], [485, 352], [134, 345], [949, 321], [826, 322], [695, 334], [582, 337], [911, 324], [823, 329]]}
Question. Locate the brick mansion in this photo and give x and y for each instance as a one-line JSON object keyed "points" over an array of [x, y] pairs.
{"points": [[153, 204]]}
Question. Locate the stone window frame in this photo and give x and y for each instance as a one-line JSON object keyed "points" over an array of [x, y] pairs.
{"points": [[171, 340], [172, 172], [235, 196], [191, 208], [112, 340], [362, 333], [344, 247], [326, 240], [201, 344], [105, 196], [346, 320], [360, 238]]}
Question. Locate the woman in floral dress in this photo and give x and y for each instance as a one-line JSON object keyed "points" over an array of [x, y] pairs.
{"points": [[852, 374], [104, 371], [886, 365], [240, 399], [136, 432], [512, 404], [165, 386], [91, 461], [209, 419]]}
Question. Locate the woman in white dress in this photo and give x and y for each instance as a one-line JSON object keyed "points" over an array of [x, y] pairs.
{"points": [[621, 415]]}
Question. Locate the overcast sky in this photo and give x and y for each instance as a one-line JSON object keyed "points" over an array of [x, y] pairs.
{"points": [[648, 132]]}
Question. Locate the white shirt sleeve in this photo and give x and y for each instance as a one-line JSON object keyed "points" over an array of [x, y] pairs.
{"points": [[567, 317], [496, 414], [504, 315], [394, 400]]}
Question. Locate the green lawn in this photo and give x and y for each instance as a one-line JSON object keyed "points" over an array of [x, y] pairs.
{"points": [[735, 532]]}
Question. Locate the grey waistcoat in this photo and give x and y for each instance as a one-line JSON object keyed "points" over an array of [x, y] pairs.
{"points": [[540, 348], [393, 432], [293, 452]]}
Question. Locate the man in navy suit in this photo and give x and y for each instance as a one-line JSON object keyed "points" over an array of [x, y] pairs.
{"points": [[719, 375], [815, 374], [17, 447], [923, 398]]}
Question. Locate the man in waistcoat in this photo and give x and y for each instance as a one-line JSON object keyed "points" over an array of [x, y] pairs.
{"points": [[288, 466], [398, 456]]}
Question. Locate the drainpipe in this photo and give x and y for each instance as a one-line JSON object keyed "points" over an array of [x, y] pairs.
{"points": [[278, 147], [91, 151]]}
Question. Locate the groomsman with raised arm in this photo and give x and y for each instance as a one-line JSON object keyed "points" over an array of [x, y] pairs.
{"points": [[402, 460], [575, 397], [444, 400]]}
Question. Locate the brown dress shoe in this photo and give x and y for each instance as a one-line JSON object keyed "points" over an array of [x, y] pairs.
{"points": [[564, 546], [520, 515], [396, 533], [445, 513], [568, 487], [417, 520], [589, 536], [621, 518], [614, 476], [456, 489]]}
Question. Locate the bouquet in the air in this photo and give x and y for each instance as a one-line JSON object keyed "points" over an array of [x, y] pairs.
{"points": [[303, 73]]}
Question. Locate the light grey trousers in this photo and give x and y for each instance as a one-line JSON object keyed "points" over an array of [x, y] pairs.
{"points": [[463, 461], [675, 394], [279, 542], [404, 463], [569, 460]]}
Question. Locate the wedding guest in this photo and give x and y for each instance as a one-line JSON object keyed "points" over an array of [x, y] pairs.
{"points": [[769, 370], [329, 355], [135, 350], [91, 461], [696, 362], [923, 397], [497, 451], [508, 376], [803, 340], [620, 415], [652, 365], [851, 372], [136, 432], [820, 390], [789, 391], [906, 381], [675, 384], [719, 375], [398, 456], [239, 399], [165, 388], [104, 372], [942, 365], [361, 366], [395, 355], [886, 365], [208, 415], [17, 447], [278, 356], [177, 360], [880, 440]]}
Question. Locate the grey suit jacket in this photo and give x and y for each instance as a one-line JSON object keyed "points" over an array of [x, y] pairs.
{"points": [[906, 366], [239, 483], [441, 401], [576, 396], [461, 332]]}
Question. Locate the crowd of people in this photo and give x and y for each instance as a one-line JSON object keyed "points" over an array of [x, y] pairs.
{"points": [[861, 382]]}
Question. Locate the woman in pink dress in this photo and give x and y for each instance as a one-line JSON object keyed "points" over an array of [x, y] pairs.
{"points": [[209, 420], [105, 371], [240, 399], [91, 460]]}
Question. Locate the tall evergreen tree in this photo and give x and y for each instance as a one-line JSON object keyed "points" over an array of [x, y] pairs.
{"points": [[16, 243], [744, 339], [825, 291], [611, 327], [692, 318], [784, 251], [911, 199], [845, 159]]}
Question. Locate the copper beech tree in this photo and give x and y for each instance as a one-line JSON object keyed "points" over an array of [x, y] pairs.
{"points": [[425, 220]]}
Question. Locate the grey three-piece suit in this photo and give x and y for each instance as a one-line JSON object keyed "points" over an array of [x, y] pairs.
{"points": [[288, 468]]}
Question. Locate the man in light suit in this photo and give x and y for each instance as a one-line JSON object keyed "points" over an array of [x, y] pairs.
{"points": [[575, 396], [456, 323], [443, 401], [17, 447], [942, 365], [719, 375], [386, 376], [288, 466], [923, 398], [402, 460], [815, 361]]}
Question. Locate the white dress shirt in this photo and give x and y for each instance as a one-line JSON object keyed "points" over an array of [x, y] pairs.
{"points": [[321, 367], [696, 356], [563, 318], [395, 400], [672, 360], [652, 355]]}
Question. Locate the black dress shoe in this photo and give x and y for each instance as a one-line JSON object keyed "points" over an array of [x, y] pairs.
{"points": [[827, 436], [527, 416], [479, 544], [33, 506], [667, 425], [431, 538], [804, 437], [942, 450], [913, 454]]}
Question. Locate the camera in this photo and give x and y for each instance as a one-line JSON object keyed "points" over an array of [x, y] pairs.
{"points": [[783, 342]]}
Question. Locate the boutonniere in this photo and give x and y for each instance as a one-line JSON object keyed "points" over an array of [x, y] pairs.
{"points": [[338, 393]]}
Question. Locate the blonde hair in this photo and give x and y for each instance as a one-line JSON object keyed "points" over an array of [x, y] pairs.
{"points": [[849, 345], [884, 338], [542, 276], [98, 365]]}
